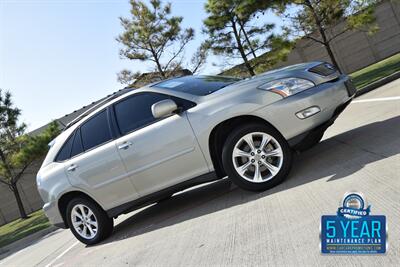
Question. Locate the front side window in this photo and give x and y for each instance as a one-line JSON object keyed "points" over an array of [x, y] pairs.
{"points": [[95, 131], [135, 111]]}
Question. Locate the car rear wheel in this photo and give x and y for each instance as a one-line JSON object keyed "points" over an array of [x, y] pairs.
{"points": [[256, 157], [88, 221]]}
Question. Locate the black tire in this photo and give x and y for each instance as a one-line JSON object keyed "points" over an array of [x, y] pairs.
{"points": [[105, 223], [228, 164]]}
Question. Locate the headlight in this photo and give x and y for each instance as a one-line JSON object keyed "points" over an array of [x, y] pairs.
{"points": [[287, 86]]}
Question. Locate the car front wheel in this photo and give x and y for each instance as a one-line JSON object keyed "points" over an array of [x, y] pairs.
{"points": [[88, 221], [256, 157]]}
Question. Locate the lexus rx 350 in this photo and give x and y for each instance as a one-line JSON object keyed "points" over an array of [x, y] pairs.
{"points": [[136, 148]]}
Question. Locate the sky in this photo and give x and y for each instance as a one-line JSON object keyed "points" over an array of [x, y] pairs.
{"points": [[59, 55]]}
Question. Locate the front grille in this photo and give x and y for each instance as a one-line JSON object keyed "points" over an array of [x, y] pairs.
{"points": [[323, 69]]}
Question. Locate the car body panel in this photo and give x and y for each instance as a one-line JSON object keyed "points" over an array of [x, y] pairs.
{"points": [[176, 149], [162, 154], [271, 107], [281, 114], [51, 187], [101, 172]]}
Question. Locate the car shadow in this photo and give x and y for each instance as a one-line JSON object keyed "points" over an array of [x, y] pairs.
{"points": [[334, 158]]}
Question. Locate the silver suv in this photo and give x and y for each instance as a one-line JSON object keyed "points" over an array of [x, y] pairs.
{"points": [[146, 144]]}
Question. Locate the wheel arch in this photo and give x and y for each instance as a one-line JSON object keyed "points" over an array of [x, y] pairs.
{"points": [[221, 131], [66, 198]]}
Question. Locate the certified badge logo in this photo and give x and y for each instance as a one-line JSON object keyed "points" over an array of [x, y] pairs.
{"points": [[353, 230], [353, 206]]}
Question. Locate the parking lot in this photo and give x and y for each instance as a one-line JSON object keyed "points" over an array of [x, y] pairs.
{"points": [[219, 224]]}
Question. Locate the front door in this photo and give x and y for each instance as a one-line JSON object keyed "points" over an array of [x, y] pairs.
{"points": [[158, 153]]}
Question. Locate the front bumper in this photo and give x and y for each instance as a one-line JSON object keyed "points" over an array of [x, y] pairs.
{"points": [[327, 96], [297, 142]]}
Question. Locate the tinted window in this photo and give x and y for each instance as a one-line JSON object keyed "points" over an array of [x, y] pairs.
{"points": [[77, 147], [197, 85], [95, 131], [65, 151], [183, 103], [135, 112]]}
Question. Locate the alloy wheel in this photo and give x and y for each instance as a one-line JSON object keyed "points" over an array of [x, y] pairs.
{"points": [[84, 221], [257, 157]]}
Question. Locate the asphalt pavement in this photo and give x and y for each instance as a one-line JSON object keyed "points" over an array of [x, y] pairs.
{"points": [[220, 224]]}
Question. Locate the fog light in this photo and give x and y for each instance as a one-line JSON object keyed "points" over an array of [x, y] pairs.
{"points": [[308, 112]]}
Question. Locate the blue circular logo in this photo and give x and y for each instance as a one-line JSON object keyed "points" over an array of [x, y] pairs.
{"points": [[353, 206]]}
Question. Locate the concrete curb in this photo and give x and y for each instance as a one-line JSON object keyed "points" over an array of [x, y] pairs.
{"points": [[378, 83], [26, 241]]}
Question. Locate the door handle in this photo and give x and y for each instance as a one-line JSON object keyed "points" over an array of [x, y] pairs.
{"points": [[124, 145], [72, 168]]}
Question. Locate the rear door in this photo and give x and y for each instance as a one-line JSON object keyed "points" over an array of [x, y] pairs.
{"points": [[157, 153], [96, 166]]}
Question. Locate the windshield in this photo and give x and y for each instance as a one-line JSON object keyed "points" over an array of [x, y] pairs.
{"points": [[197, 85]]}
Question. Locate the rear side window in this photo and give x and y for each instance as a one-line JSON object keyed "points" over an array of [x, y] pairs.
{"points": [[135, 112], [95, 131], [65, 151], [77, 147]]}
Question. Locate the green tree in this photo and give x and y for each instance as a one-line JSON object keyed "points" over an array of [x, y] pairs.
{"points": [[316, 19], [199, 58], [18, 150], [126, 76], [153, 34], [232, 32], [197, 61]]}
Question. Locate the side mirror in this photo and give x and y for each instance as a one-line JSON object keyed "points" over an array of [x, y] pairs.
{"points": [[164, 108]]}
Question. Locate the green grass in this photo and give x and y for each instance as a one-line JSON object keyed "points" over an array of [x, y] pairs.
{"points": [[376, 71], [18, 229]]}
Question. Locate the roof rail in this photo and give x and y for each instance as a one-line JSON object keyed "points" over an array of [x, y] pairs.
{"points": [[96, 105]]}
